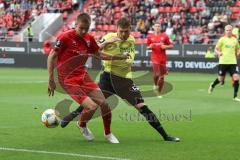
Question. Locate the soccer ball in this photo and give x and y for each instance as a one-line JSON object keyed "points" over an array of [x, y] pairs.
{"points": [[50, 118]]}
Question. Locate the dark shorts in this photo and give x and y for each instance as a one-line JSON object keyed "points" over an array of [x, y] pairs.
{"points": [[123, 87], [230, 68]]}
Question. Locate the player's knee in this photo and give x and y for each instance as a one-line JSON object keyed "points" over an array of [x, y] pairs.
{"points": [[221, 78], [92, 106], [235, 77], [103, 103], [139, 105]]}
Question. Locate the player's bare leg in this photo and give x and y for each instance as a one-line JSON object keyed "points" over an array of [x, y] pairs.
{"points": [[98, 97], [91, 106], [214, 83]]}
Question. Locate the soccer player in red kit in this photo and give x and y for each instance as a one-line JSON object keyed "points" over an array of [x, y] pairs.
{"points": [[71, 52], [159, 42]]}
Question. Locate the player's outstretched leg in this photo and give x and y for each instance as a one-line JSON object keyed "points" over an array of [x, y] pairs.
{"points": [[212, 85], [68, 118], [154, 122], [98, 97], [236, 87]]}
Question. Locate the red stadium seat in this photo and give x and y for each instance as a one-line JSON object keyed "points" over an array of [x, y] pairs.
{"points": [[136, 34], [237, 4], [174, 9], [141, 41], [161, 9], [193, 10], [99, 27], [105, 27], [10, 33], [167, 9], [112, 28], [235, 9]]}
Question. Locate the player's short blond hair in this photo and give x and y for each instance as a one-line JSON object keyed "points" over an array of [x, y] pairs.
{"points": [[228, 26]]}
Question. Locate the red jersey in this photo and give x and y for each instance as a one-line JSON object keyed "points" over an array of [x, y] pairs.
{"points": [[158, 55], [73, 52]]}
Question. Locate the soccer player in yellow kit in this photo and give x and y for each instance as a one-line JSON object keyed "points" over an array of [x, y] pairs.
{"points": [[117, 78], [227, 49]]}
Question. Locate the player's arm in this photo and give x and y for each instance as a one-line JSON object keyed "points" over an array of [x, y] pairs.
{"points": [[168, 44], [149, 43], [50, 65], [103, 42], [99, 54], [238, 52], [104, 56], [218, 47], [237, 49], [218, 51]]}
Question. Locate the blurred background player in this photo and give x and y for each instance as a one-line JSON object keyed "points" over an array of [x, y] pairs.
{"points": [[117, 76], [227, 49], [159, 42], [71, 52], [210, 53]]}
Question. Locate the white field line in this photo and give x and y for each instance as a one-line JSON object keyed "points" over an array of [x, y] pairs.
{"points": [[59, 153]]}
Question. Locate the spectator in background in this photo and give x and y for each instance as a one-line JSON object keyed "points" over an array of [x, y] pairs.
{"points": [[30, 32], [236, 31], [210, 53], [81, 2]]}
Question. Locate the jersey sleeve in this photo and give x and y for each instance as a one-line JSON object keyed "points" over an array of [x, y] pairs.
{"points": [[168, 41], [219, 43], [60, 43]]}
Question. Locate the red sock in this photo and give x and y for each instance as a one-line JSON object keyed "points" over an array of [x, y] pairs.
{"points": [[107, 122], [160, 84], [155, 78], [107, 117], [81, 119]]}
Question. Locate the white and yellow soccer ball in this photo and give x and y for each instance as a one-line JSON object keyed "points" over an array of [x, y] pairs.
{"points": [[50, 118]]}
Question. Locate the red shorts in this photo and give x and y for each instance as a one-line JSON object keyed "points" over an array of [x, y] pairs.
{"points": [[78, 87], [159, 69]]}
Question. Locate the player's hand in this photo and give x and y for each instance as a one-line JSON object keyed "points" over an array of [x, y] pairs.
{"points": [[126, 55], [51, 87], [164, 46], [219, 53], [150, 46], [238, 54]]}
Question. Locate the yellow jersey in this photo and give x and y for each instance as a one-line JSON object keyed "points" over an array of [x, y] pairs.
{"points": [[228, 46], [121, 68]]}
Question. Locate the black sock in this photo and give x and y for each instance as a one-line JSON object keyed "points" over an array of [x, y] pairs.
{"points": [[215, 82], [73, 114], [235, 86], [152, 120], [222, 83]]}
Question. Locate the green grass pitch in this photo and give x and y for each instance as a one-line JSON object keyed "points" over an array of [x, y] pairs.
{"points": [[208, 125]]}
